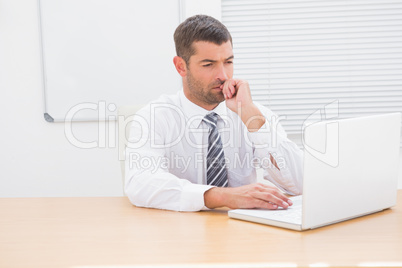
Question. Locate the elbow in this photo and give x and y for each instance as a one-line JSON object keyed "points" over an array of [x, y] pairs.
{"points": [[131, 190], [296, 192]]}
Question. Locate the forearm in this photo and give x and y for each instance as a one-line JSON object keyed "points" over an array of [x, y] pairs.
{"points": [[252, 117], [289, 176], [213, 198], [281, 158], [248, 196], [155, 187], [163, 190]]}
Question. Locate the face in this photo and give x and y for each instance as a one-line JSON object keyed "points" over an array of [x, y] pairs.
{"points": [[208, 69]]}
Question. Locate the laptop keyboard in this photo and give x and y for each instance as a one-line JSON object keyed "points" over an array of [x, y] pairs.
{"points": [[292, 214]]}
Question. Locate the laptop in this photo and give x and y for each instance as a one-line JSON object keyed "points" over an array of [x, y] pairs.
{"points": [[350, 170]]}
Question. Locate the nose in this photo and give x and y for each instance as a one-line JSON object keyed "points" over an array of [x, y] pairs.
{"points": [[221, 73]]}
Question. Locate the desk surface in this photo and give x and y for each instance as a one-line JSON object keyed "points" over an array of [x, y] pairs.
{"points": [[110, 232]]}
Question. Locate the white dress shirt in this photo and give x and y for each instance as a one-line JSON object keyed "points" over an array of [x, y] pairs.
{"points": [[167, 150]]}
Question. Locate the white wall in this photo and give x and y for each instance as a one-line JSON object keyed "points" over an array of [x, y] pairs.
{"points": [[36, 158], [400, 171], [206, 7]]}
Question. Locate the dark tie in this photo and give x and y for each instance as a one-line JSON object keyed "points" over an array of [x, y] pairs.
{"points": [[216, 169]]}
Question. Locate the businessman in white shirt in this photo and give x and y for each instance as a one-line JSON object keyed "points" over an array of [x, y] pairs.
{"points": [[199, 149]]}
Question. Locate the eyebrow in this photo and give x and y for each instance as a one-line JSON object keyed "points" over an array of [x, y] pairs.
{"points": [[207, 60]]}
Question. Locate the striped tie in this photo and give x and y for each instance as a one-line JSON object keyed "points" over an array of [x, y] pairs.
{"points": [[216, 170]]}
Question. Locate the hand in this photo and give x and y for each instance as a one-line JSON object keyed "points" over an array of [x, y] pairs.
{"points": [[237, 94], [256, 195], [238, 99]]}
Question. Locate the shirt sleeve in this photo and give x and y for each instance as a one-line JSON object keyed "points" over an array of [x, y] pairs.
{"points": [[271, 139], [151, 185]]}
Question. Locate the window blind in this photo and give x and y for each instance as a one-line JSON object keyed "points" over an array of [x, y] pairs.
{"points": [[300, 56]]}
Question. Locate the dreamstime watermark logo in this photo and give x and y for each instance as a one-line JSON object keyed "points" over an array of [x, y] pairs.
{"points": [[320, 135]]}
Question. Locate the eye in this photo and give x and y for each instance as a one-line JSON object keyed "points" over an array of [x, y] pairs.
{"points": [[229, 62], [207, 65]]}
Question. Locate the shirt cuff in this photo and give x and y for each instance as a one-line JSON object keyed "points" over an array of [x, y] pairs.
{"points": [[192, 197]]}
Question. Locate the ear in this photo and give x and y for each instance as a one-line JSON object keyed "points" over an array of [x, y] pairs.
{"points": [[180, 65]]}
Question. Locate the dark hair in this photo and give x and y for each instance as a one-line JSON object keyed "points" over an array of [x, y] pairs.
{"points": [[199, 28]]}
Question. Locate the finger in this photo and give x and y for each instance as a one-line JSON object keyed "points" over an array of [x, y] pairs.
{"points": [[229, 88], [258, 203], [276, 192], [226, 91], [229, 91], [268, 205], [282, 197], [232, 86], [270, 198]]}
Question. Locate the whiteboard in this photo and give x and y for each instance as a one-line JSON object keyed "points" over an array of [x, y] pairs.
{"points": [[99, 55]]}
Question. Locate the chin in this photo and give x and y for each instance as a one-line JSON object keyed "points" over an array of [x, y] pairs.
{"points": [[220, 98], [215, 98]]}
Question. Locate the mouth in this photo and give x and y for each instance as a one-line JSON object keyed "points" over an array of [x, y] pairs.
{"points": [[217, 87]]}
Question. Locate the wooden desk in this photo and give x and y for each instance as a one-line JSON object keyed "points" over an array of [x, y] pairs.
{"points": [[110, 232]]}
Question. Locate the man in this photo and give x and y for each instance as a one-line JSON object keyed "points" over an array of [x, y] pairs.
{"points": [[200, 149]]}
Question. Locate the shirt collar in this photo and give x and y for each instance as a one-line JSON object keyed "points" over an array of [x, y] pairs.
{"points": [[195, 113]]}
